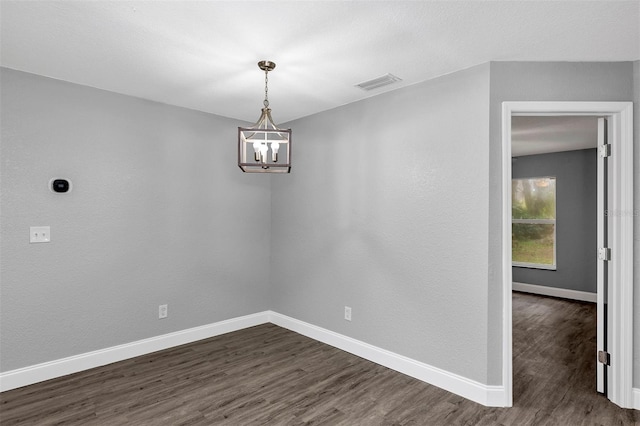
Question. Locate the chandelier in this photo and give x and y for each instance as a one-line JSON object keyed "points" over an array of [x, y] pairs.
{"points": [[264, 148]]}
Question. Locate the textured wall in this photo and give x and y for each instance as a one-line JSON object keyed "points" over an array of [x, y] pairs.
{"points": [[359, 222], [159, 213], [537, 81], [636, 223], [386, 212], [576, 220]]}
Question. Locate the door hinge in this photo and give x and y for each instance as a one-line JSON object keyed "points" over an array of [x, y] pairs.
{"points": [[604, 254], [604, 358], [604, 150]]}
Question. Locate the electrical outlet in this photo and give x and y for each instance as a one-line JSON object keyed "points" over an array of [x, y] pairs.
{"points": [[163, 311], [347, 313]]}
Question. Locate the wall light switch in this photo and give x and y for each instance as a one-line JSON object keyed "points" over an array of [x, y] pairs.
{"points": [[39, 234]]}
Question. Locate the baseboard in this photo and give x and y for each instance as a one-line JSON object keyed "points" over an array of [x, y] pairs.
{"points": [[636, 398], [493, 396], [584, 296], [73, 364]]}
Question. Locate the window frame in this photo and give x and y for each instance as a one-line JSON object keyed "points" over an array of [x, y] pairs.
{"points": [[549, 267]]}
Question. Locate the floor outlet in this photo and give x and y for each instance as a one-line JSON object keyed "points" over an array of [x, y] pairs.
{"points": [[347, 313], [162, 311]]}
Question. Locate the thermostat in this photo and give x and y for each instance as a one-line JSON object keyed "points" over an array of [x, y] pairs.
{"points": [[60, 185]]}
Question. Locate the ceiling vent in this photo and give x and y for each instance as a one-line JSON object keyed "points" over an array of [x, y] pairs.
{"points": [[378, 82]]}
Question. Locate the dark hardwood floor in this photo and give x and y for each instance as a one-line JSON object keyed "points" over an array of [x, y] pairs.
{"points": [[267, 375]]}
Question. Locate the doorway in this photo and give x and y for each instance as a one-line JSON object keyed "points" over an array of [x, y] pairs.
{"points": [[620, 264], [555, 236]]}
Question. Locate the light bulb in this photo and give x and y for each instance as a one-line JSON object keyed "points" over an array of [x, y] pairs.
{"points": [[275, 146], [256, 151], [263, 152]]}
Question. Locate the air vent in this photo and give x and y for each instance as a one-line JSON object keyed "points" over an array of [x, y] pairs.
{"points": [[378, 82]]}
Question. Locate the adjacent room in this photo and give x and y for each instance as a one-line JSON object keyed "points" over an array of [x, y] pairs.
{"points": [[554, 241], [348, 258]]}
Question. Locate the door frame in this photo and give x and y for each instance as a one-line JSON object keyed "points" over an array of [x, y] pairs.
{"points": [[620, 116]]}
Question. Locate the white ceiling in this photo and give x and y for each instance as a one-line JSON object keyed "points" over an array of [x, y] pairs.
{"points": [[203, 54], [543, 134]]}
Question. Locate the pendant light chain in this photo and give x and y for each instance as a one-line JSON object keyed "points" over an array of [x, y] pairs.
{"points": [[266, 89]]}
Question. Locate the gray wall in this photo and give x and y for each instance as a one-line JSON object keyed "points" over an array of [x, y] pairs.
{"points": [[389, 196], [636, 223], [576, 220], [159, 213], [360, 222], [540, 81]]}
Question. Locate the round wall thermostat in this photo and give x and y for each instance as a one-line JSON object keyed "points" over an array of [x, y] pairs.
{"points": [[60, 185]]}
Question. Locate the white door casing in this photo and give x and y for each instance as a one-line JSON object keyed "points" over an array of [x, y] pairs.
{"points": [[620, 219]]}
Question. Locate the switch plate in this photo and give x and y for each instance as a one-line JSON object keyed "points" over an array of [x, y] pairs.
{"points": [[39, 234], [347, 313]]}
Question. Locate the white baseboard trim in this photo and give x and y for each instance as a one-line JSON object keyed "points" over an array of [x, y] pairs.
{"points": [[584, 296], [73, 364], [636, 398], [493, 396]]}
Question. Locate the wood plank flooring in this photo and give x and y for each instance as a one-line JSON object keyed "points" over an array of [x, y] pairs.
{"points": [[267, 375]]}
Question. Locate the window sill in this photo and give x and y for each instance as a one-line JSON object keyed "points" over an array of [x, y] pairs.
{"points": [[534, 266]]}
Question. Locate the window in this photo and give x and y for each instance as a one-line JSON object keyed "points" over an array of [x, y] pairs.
{"points": [[533, 222]]}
